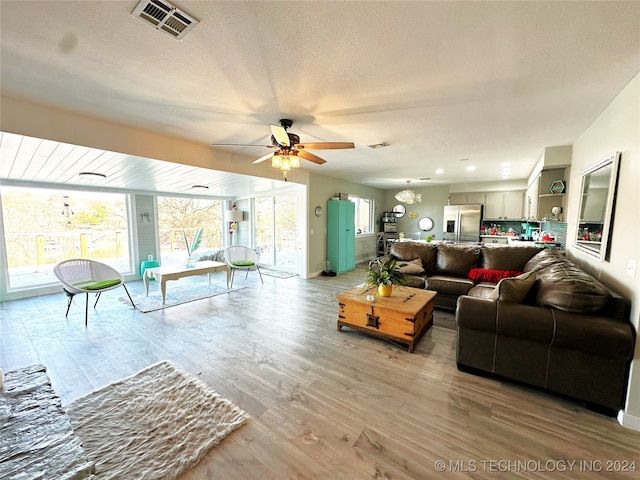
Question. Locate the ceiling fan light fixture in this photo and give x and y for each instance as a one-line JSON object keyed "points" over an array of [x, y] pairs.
{"points": [[285, 165], [295, 161], [285, 160]]}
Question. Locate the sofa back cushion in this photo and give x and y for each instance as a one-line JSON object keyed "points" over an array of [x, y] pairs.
{"points": [[506, 258], [565, 287], [457, 260], [543, 259], [408, 251]]}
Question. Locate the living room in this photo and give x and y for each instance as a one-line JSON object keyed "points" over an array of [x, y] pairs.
{"points": [[613, 128]]}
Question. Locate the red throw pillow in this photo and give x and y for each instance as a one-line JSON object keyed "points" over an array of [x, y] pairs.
{"points": [[491, 276]]}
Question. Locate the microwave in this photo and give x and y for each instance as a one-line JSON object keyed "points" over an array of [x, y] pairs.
{"points": [[390, 228]]}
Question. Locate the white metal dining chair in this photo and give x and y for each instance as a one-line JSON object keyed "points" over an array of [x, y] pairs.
{"points": [[239, 257], [83, 275]]}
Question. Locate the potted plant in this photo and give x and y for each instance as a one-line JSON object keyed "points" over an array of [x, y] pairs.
{"points": [[385, 276], [193, 246]]}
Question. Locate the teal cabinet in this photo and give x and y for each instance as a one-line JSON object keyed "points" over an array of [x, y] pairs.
{"points": [[341, 235]]}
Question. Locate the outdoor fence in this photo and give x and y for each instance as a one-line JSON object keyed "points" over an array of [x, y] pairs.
{"points": [[24, 250]]}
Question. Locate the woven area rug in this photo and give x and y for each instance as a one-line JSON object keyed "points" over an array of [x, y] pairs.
{"points": [[277, 273], [176, 295], [154, 425]]}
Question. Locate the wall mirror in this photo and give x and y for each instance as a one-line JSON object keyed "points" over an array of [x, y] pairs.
{"points": [[399, 210], [597, 202], [425, 224]]}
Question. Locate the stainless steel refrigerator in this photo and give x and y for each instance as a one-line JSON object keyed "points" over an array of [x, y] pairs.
{"points": [[462, 223]]}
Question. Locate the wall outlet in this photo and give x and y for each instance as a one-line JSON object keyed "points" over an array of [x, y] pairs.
{"points": [[631, 268]]}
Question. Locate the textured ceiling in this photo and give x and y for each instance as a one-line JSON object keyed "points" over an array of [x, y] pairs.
{"points": [[491, 82]]}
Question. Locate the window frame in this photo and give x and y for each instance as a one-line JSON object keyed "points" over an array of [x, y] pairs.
{"points": [[359, 201]]}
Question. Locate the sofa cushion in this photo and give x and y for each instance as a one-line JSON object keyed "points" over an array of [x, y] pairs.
{"points": [[413, 267], [565, 287], [495, 257], [414, 281], [456, 259], [514, 289], [491, 276], [411, 250], [449, 285], [482, 290]]}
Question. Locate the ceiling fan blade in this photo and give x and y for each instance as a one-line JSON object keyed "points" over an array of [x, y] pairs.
{"points": [[326, 145], [280, 134], [266, 157], [238, 145], [311, 157]]}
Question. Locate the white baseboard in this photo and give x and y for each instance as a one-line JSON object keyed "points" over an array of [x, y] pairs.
{"points": [[629, 421]]}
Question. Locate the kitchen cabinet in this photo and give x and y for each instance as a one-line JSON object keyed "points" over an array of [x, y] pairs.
{"points": [[467, 198], [341, 237], [503, 206], [532, 196]]}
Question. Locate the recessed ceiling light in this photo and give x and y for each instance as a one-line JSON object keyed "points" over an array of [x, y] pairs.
{"points": [[199, 187], [471, 168], [506, 164], [91, 174], [439, 171], [378, 145]]}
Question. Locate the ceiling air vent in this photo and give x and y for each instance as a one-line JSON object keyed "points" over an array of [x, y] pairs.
{"points": [[165, 17]]}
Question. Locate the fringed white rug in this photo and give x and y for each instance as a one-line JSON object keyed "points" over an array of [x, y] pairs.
{"points": [[152, 425]]}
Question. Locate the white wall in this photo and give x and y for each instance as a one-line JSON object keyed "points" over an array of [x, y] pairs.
{"points": [[434, 198], [145, 232], [616, 129]]}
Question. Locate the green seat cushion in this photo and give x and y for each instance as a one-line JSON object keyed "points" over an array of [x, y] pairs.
{"points": [[98, 285], [243, 263]]}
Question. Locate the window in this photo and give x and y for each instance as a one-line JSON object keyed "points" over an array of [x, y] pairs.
{"points": [[178, 217], [364, 214], [44, 226]]}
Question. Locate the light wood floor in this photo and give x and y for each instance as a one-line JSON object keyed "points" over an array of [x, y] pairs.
{"points": [[324, 404]]}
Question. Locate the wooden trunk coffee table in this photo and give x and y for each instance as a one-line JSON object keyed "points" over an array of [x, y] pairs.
{"points": [[163, 274], [403, 317]]}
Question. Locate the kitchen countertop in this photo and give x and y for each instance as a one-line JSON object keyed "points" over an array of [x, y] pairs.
{"points": [[512, 240]]}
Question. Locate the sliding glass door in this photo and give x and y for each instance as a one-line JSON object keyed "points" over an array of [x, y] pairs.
{"points": [[276, 227], [179, 218]]}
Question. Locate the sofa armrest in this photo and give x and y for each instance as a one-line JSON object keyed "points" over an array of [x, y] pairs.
{"points": [[476, 313], [505, 318], [383, 259]]}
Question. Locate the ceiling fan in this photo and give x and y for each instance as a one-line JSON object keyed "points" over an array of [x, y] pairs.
{"points": [[288, 150]]}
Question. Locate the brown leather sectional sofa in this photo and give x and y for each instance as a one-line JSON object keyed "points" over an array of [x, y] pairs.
{"points": [[554, 327]]}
